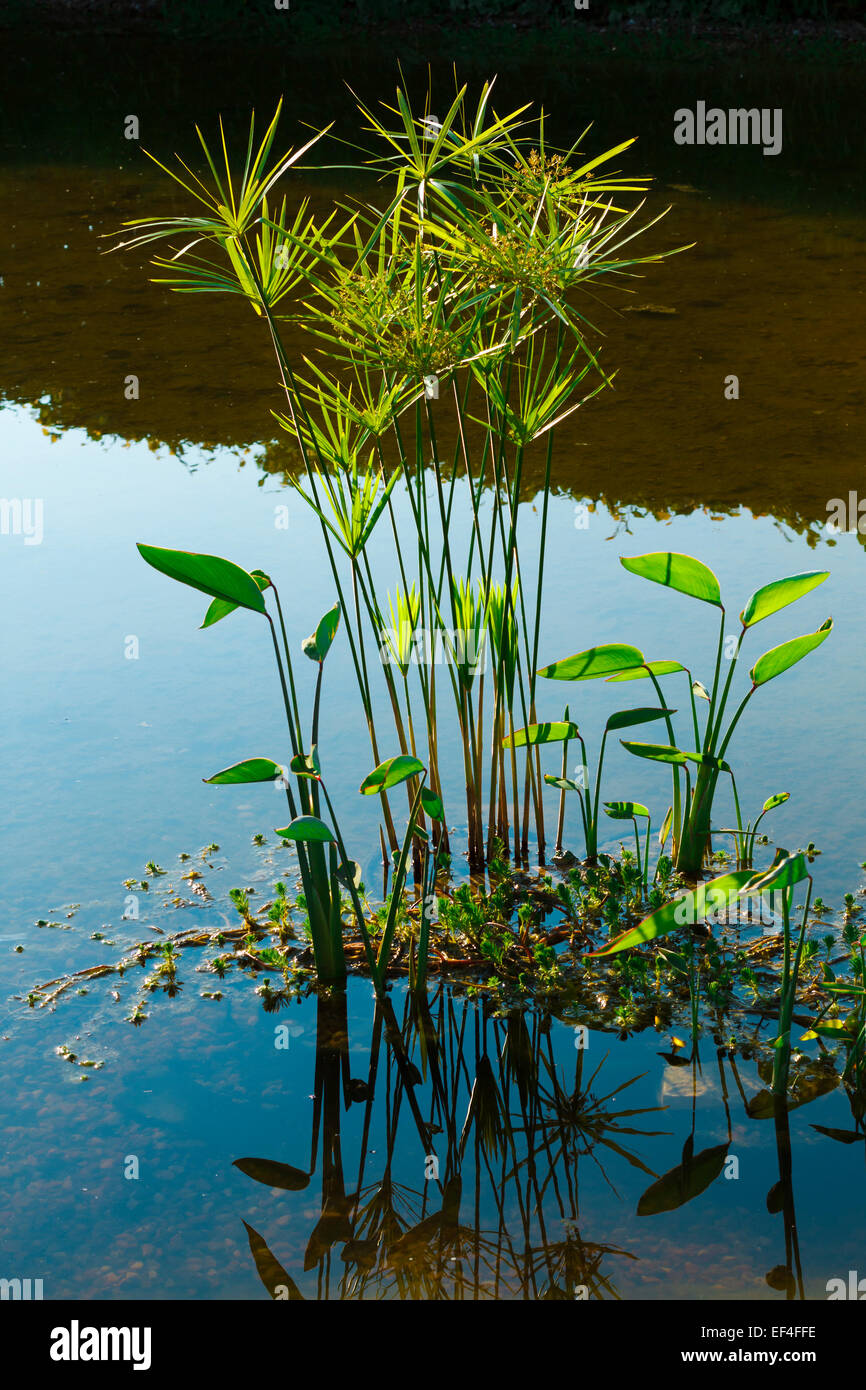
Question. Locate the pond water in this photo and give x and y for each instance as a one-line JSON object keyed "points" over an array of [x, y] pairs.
{"points": [[104, 759]]}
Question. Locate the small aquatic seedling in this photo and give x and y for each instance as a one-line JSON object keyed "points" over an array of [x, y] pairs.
{"points": [[690, 823], [153, 869], [633, 811], [745, 838], [240, 902]]}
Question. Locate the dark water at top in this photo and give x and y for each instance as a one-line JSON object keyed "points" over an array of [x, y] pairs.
{"points": [[104, 755]]}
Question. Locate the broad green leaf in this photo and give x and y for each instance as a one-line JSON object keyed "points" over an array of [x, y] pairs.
{"points": [[251, 770], [642, 673], [306, 828], [773, 801], [391, 773], [705, 899], [779, 594], [681, 572], [563, 783], [692, 1177], [318, 645], [273, 1174], [306, 765], [541, 733], [830, 1028], [432, 804], [220, 608], [785, 871], [625, 810], [208, 573], [657, 752], [594, 663], [627, 718], [781, 658]]}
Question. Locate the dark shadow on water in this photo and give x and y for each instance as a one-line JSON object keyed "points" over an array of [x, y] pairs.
{"points": [[771, 292]]}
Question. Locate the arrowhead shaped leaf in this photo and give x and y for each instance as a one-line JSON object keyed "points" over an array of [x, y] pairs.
{"points": [[220, 608], [541, 733], [305, 829], [251, 770], [627, 718], [781, 658], [681, 572], [318, 645], [625, 810], [779, 594], [594, 663], [391, 773], [432, 804], [210, 574]]}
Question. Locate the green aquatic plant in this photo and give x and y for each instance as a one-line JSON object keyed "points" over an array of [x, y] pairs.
{"points": [[634, 811], [460, 310], [744, 837], [325, 867], [538, 734], [691, 812]]}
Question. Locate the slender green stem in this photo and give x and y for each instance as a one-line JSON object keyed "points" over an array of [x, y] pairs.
{"points": [[716, 729], [705, 746]]}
